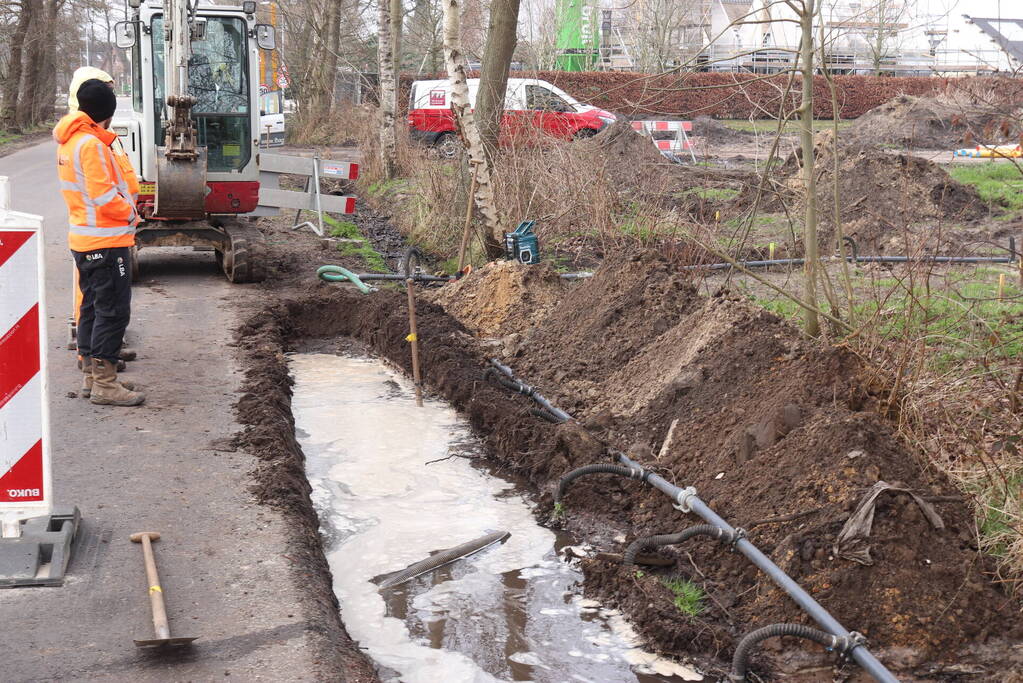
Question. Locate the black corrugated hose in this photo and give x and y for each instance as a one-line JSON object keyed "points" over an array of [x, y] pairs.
{"points": [[641, 544], [740, 660], [599, 468]]}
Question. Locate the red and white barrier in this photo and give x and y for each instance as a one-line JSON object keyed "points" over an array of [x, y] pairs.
{"points": [[25, 487], [680, 143], [655, 126]]}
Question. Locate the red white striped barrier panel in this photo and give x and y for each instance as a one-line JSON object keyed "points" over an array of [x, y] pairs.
{"points": [[35, 540], [654, 126], [679, 143], [24, 428], [673, 145]]}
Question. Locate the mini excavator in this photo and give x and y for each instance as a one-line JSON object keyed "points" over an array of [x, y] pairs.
{"points": [[193, 130]]}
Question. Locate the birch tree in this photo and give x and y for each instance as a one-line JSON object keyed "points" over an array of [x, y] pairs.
{"points": [[454, 60], [388, 138]]}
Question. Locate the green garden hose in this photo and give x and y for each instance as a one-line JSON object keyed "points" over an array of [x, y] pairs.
{"points": [[339, 274]]}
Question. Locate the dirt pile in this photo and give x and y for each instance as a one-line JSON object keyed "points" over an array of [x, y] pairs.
{"points": [[880, 193], [712, 131], [629, 159], [768, 426], [502, 297], [934, 123]]}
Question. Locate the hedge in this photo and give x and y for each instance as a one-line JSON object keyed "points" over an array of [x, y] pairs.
{"points": [[742, 95]]}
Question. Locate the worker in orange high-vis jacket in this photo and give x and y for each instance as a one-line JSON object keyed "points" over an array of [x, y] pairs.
{"points": [[81, 75], [100, 191]]}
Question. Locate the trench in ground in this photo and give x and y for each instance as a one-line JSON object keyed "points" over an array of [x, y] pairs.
{"points": [[392, 483]]}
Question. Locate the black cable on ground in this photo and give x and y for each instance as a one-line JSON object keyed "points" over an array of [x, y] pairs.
{"points": [[740, 660], [510, 384], [651, 542], [599, 468], [545, 415]]}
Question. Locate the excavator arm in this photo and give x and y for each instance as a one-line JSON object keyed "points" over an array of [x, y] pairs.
{"points": [[180, 162]]}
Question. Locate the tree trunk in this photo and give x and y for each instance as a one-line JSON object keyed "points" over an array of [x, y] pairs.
{"points": [[32, 59], [486, 203], [12, 80], [385, 58], [809, 178], [397, 16], [501, 39], [45, 84]]}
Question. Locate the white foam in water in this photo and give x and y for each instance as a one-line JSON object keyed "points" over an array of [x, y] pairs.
{"points": [[383, 507]]}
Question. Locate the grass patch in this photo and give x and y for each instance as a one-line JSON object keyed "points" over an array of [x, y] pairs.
{"points": [[361, 249], [382, 187], [688, 596], [343, 229], [958, 319], [958, 323], [996, 182]]}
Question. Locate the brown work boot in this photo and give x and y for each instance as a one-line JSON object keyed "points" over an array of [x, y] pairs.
{"points": [[107, 391], [85, 365]]}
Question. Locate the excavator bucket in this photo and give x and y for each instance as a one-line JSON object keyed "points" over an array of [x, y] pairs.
{"points": [[180, 186]]}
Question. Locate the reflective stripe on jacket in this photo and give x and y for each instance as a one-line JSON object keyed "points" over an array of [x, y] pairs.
{"points": [[99, 188]]}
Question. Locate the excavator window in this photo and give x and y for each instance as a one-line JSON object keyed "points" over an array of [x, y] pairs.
{"points": [[218, 77]]}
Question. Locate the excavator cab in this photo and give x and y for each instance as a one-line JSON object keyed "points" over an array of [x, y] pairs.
{"points": [[193, 130]]}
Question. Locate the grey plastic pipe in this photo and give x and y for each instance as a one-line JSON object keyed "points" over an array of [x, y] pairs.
{"points": [[402, 278], [531, 392], [858, 259], [687, 501]]}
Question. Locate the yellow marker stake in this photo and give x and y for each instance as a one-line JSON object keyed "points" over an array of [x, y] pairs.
{"points": [[1001, 286], [770, 250]]}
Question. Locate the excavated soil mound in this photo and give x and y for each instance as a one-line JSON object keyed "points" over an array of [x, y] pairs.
{"points": [[502, 298], [934, 123], [779, 436], [880, 193], [714, 132], [621, 144]]}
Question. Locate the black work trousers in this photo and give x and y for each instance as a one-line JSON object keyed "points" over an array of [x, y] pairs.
{"points": [[104, 276]]}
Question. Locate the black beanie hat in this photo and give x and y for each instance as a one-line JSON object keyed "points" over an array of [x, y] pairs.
{"points": [[97, 99]]}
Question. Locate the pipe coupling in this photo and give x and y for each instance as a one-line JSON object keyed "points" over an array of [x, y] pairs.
{"points": [[849, 643], [682, 499]]}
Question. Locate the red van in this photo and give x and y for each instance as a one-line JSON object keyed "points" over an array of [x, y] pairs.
{"points": [[531, 106]]}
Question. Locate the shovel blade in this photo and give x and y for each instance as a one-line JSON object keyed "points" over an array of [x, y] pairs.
{"points": [[164, 642]]}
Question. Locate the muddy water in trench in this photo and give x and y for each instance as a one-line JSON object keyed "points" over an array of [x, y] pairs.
{"points": [[510, 612]]}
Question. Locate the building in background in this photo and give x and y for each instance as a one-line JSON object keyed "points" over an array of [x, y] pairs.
{"points": [[893, 37]]}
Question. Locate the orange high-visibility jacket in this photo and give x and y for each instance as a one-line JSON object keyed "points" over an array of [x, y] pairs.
{"points": [[98, 184]]}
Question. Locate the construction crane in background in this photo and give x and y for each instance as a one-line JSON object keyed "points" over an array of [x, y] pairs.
{"points": [[578, 43]]}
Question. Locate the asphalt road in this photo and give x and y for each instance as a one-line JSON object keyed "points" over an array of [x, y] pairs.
{"points": [[155, 468]]}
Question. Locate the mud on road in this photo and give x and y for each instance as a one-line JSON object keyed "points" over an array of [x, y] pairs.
{"points": [[778, 434]]}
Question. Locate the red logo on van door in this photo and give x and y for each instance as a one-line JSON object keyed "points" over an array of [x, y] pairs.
{"points": [[437, 98]]}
